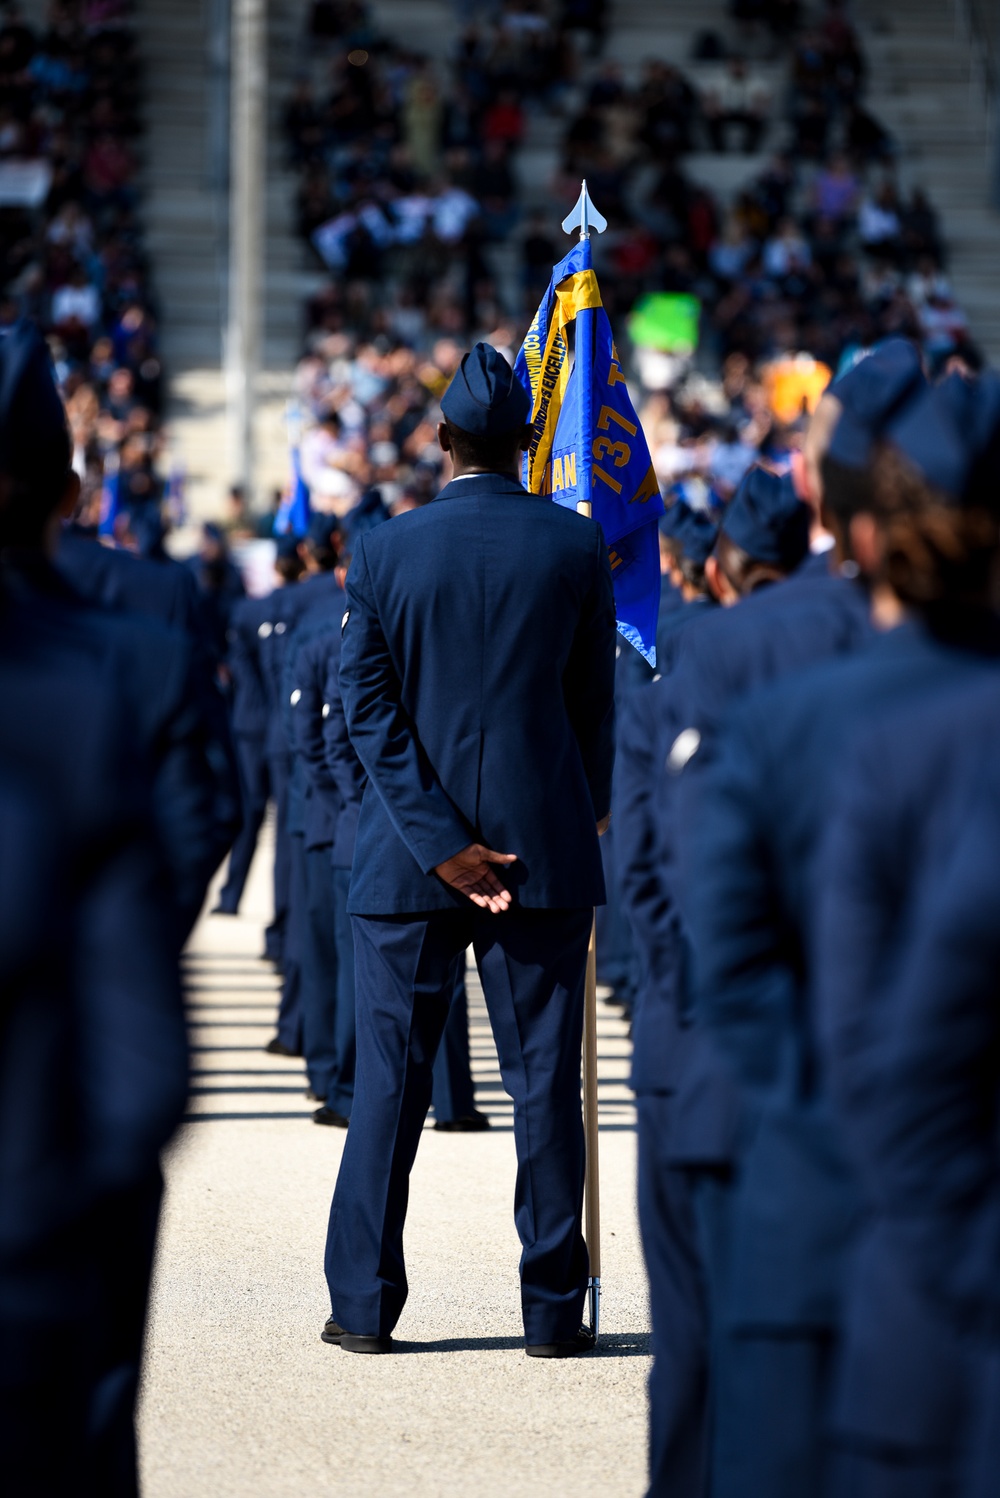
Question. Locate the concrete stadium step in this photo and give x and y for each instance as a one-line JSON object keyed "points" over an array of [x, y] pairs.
{"points": [[921, 83]]}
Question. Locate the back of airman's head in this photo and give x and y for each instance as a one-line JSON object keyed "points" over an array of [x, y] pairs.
{"points": [[868, 397], [486, 410], [35, 446], [936, 478], [764, 532], [689, 536]]}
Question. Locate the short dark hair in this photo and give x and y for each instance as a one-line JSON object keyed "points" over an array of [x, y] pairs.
{"points": [[486, 452], [935, 552], [846, 491], [290, 567], [743, 571]]}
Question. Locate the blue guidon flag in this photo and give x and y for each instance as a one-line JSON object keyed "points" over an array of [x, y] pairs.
{"points": [[586, 441]]}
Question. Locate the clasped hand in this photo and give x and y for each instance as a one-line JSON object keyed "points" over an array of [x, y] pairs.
{"points": [[471, 873]]}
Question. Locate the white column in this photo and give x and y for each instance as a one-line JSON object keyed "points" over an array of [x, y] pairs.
{"points": [[247, 193]]}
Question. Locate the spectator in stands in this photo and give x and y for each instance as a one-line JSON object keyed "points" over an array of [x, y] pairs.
{"points": [[739, 101]]}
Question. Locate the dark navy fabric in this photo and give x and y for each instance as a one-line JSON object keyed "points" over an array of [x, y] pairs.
{"points": [[678, 1380], [642, 872], [452, 1092], [248, 718], [486, 397], [795, 1201], [931, 1123], [293, 937], [777, 630], [951, 435], [478, 678], [871, 393], [766, 518], [532, 967], [249, 703], [341, 761], [320, 597], [129, 584], [318, 812], [255, 789], [195, 797], [905, 797], [314, 656], [93, 1057], [763, 809], [220, 589]]}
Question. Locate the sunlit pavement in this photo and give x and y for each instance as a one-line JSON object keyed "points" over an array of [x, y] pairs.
{"points": [[242, 1399]]}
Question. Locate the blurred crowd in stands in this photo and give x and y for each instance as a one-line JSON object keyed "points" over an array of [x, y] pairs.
{"points": [[419, 194], [71, 245]]}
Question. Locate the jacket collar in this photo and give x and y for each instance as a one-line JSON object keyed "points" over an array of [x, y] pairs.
{"points": [[482, 483]]}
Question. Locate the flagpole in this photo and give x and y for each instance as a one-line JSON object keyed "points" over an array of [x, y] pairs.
{"points": [[584, 345]]}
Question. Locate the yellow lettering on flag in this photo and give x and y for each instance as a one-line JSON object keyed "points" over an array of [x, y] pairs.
{"points": [[576, 294], [569, 470], [608, 414], [557, 474], [614, 558], [606, 478]]}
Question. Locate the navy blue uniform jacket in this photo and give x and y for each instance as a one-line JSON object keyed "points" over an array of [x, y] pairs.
{"points": [[477, 671], [905, 797], [750, 916], [782, 628]]}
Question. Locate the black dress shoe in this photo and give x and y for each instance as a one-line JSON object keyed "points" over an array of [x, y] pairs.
{"points": [[312, 1097], [330, 1117], [584, 1341], [471, 1123], [278, 1047], [351, 1343], [222, 910]]}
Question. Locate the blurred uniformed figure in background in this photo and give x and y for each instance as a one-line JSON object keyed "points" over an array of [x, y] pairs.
{"points": [[93, 903]]}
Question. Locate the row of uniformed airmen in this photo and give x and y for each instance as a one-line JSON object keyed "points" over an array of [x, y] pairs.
{"points": [[117, 802], [806, 813], [293, 747]]}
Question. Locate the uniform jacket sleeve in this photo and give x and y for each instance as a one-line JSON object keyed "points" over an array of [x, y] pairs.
{"points": [[928, 1124], [743, 983], [589, 681], [342, 762], [645, 896], [305, 677], [384, 735]]}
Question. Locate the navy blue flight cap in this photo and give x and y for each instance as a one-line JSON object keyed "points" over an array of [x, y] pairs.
{"points": [[287, 544], [696, 534], [322, 525], [486, 399], [766, 518], [952, 437], [673, 517], [871, 394], [33, 428]]}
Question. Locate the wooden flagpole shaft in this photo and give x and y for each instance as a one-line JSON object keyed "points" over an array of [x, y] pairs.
{"points": [[590, 1129], [592, 1196]]}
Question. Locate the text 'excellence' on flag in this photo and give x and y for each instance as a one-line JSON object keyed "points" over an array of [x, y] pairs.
{"points": [[608, 464]]}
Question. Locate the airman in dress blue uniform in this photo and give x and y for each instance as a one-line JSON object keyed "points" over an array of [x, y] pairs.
{"points": [[928, 1121], [93, 1045], [764, 807], [903, 1381], [478, 678], [252, 623], [677, 1380]]}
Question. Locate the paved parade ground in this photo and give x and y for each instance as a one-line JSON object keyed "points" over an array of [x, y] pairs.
{"points": [[243, 1400]]}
